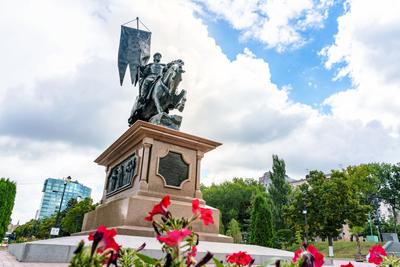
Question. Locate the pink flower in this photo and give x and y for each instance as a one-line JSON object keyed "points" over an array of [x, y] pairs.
{"points": [[174, 237], [104, 239], [160, 208], [318, 257], [240, 258], [375, 254]]}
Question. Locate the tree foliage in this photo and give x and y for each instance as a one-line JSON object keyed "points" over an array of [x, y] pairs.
{"points": [[389, 191], [331, 201], [278, 190], [8, 190], [71, 221], [234, 231], [35, 229], [261, 231], [73, 218], [233, 199]]}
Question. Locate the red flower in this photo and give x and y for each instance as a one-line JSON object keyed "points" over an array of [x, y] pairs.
{"points": [[195, 205], [375, 254], [347, 265], [206, 216], [297, 254], [190, 256], [318, 257], [104, 239], [160, 208], [240, 258], [174, 237]]}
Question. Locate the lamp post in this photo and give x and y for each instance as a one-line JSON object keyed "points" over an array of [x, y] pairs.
{"points": [[66, 182], [305, 224]]}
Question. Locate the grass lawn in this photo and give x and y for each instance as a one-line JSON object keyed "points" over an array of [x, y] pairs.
{"points": [[341, 249]]}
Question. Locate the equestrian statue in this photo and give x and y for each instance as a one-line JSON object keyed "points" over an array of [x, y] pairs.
{"points": [[158, 82]]}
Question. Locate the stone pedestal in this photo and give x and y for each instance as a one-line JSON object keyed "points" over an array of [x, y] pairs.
{"points": [[144, 164]]}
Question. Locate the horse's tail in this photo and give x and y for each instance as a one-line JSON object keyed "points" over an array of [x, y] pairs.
{"points": [[133, 118]]}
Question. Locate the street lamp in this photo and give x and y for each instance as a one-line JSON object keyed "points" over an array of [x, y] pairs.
{"points": [[66, 182], [305, 224]]}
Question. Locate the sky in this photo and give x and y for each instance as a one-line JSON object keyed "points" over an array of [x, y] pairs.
{"points": [[314, 81]]}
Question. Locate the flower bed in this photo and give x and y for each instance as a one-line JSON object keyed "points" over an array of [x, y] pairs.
{"points": [[179, 244]]}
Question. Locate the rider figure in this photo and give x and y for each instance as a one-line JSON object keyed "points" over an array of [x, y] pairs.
{"points": [[150, 73]]}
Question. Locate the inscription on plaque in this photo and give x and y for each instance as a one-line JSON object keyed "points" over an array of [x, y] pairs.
{"points": [[121, 175], [174, 169]]}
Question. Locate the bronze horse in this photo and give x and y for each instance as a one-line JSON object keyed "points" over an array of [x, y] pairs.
{"points": [[162, 96]]}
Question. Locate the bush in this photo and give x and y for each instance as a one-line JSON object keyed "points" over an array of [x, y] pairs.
{"points": [[261, 228], [8, 190], [234, 231]]}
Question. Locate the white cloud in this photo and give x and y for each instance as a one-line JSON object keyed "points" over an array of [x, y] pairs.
{"points": [[60, 110], [366, 49], [277, 23]]}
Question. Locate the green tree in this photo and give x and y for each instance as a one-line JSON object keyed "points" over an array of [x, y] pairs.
{"points": [[365, 182], [44, 226], [73, 219], [389, 190], [261, 231], [8, 190], [285, 238], [221, 225], [293, 211], [330, 201], [333, 202], [278, 190], [328, 204], [26, 230], [35, 229], [234, 231], [364, 179], [357, 231], [233, 199]]}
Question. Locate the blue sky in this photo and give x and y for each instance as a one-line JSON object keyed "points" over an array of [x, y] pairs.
{"points": [[301, 68]]}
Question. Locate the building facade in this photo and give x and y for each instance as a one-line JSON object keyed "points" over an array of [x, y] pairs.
{"points": [[265, 180], [52, 194]]}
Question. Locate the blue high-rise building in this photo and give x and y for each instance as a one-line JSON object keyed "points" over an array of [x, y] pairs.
{"points": [[52, 193]]}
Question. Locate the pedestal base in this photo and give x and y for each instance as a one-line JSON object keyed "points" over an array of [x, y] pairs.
{"points": [[145, 163], [127, 216]]}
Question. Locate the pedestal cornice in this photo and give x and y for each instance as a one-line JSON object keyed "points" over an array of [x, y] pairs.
{"points": [[138, 131]]}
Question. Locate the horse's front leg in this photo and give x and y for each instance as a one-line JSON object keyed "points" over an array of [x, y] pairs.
{"points": [[181, 100]]}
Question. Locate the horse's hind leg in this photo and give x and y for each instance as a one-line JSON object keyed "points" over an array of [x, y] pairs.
{"points": [[158, 104]]}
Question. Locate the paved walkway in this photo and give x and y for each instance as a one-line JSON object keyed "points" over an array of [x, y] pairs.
{"points": [[7, 260]]}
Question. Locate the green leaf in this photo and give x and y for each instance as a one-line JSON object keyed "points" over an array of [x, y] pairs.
{"points": [[217, 262], [146, 259]]}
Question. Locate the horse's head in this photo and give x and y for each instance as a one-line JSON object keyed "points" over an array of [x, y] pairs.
{"points": [[172, 75]]}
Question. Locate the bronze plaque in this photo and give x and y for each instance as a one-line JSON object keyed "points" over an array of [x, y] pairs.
{"points": [[121, 176], [174, 169]]}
